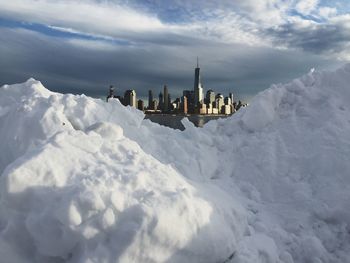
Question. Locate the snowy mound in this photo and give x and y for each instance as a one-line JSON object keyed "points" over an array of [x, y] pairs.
{"points": [[87, 181], [290, 156], [286, 159], [75, 189]]}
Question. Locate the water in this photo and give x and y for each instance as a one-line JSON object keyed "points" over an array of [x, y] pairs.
{"points": [[174, 121]]}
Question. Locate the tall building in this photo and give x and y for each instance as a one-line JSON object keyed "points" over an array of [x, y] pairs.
{"points": [[161, 101], [150, 98], [189, 94], [226, 109], [184, 104], [166, 99], [154, 105], [202, 109], [210, 97], [130, 98], [219, 102], [198, 90], [169, 102], [140, 105], [232, 98], [227, 101], [175, 105]]}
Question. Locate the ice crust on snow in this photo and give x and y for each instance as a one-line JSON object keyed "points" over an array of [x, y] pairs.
{"points": [[87, 181]]}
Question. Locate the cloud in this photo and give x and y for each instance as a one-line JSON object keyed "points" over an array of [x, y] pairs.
{"points": [[93, 44], [264, 23], [327, 12], [244, 45], [330, 39], [117, 21], [88, 15], [76, 66], [306, 7]]}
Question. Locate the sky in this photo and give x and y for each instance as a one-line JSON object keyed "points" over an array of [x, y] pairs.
{"points": [[244, 46]]}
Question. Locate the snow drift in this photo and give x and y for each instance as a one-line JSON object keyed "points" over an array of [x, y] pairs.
{"points": [[87, 181], [75, 188]]}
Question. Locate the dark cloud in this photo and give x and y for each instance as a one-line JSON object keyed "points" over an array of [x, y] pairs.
{"points": [[145, 44], [73, 67], [318, 39]]}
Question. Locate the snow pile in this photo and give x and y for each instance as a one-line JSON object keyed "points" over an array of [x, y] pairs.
{"points": [[286, 159], [88, 181], [293, 164], [75, 189]]}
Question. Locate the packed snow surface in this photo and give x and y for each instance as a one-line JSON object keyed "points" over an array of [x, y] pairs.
{"points": [[83, 180]]}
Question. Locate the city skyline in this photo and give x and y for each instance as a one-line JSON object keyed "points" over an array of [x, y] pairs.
{"points": [[83, 46], [191, 102]]}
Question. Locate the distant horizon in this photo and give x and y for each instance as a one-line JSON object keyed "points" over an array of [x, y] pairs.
{"points": [[82, 47]]}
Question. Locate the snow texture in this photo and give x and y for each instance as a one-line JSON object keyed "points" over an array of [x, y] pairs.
{"points": [[83, 180]]}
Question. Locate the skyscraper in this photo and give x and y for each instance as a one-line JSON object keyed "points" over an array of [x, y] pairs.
{"points": [[232, 98], [166, 99], [140, 105], [130, 98], [169, 102], [210, 97], [184, 104], [161, 101], [198, 90], [154, 105], [219, 102], [189, 94], [150, 98]]}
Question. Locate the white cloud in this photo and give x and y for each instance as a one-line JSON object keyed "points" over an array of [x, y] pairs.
{"points": [[117, 21], [327, 12], [92, 44], [88, 16], [268, 12], [232, 28], [249, 22], [342, 20], [76, 32], [305, 7]]}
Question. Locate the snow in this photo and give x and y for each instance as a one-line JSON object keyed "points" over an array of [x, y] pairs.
{"points": [[87, 181]]}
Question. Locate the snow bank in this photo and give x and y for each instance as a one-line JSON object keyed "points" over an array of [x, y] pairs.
{"points": [[74, 188], [88, 181], [293, 165], [285, 158]]}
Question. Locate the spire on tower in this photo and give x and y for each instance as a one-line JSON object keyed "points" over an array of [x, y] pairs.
{"points": [[197, 62]]}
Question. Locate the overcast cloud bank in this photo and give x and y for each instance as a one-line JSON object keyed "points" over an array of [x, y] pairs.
{"points": [[243, 45]]}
